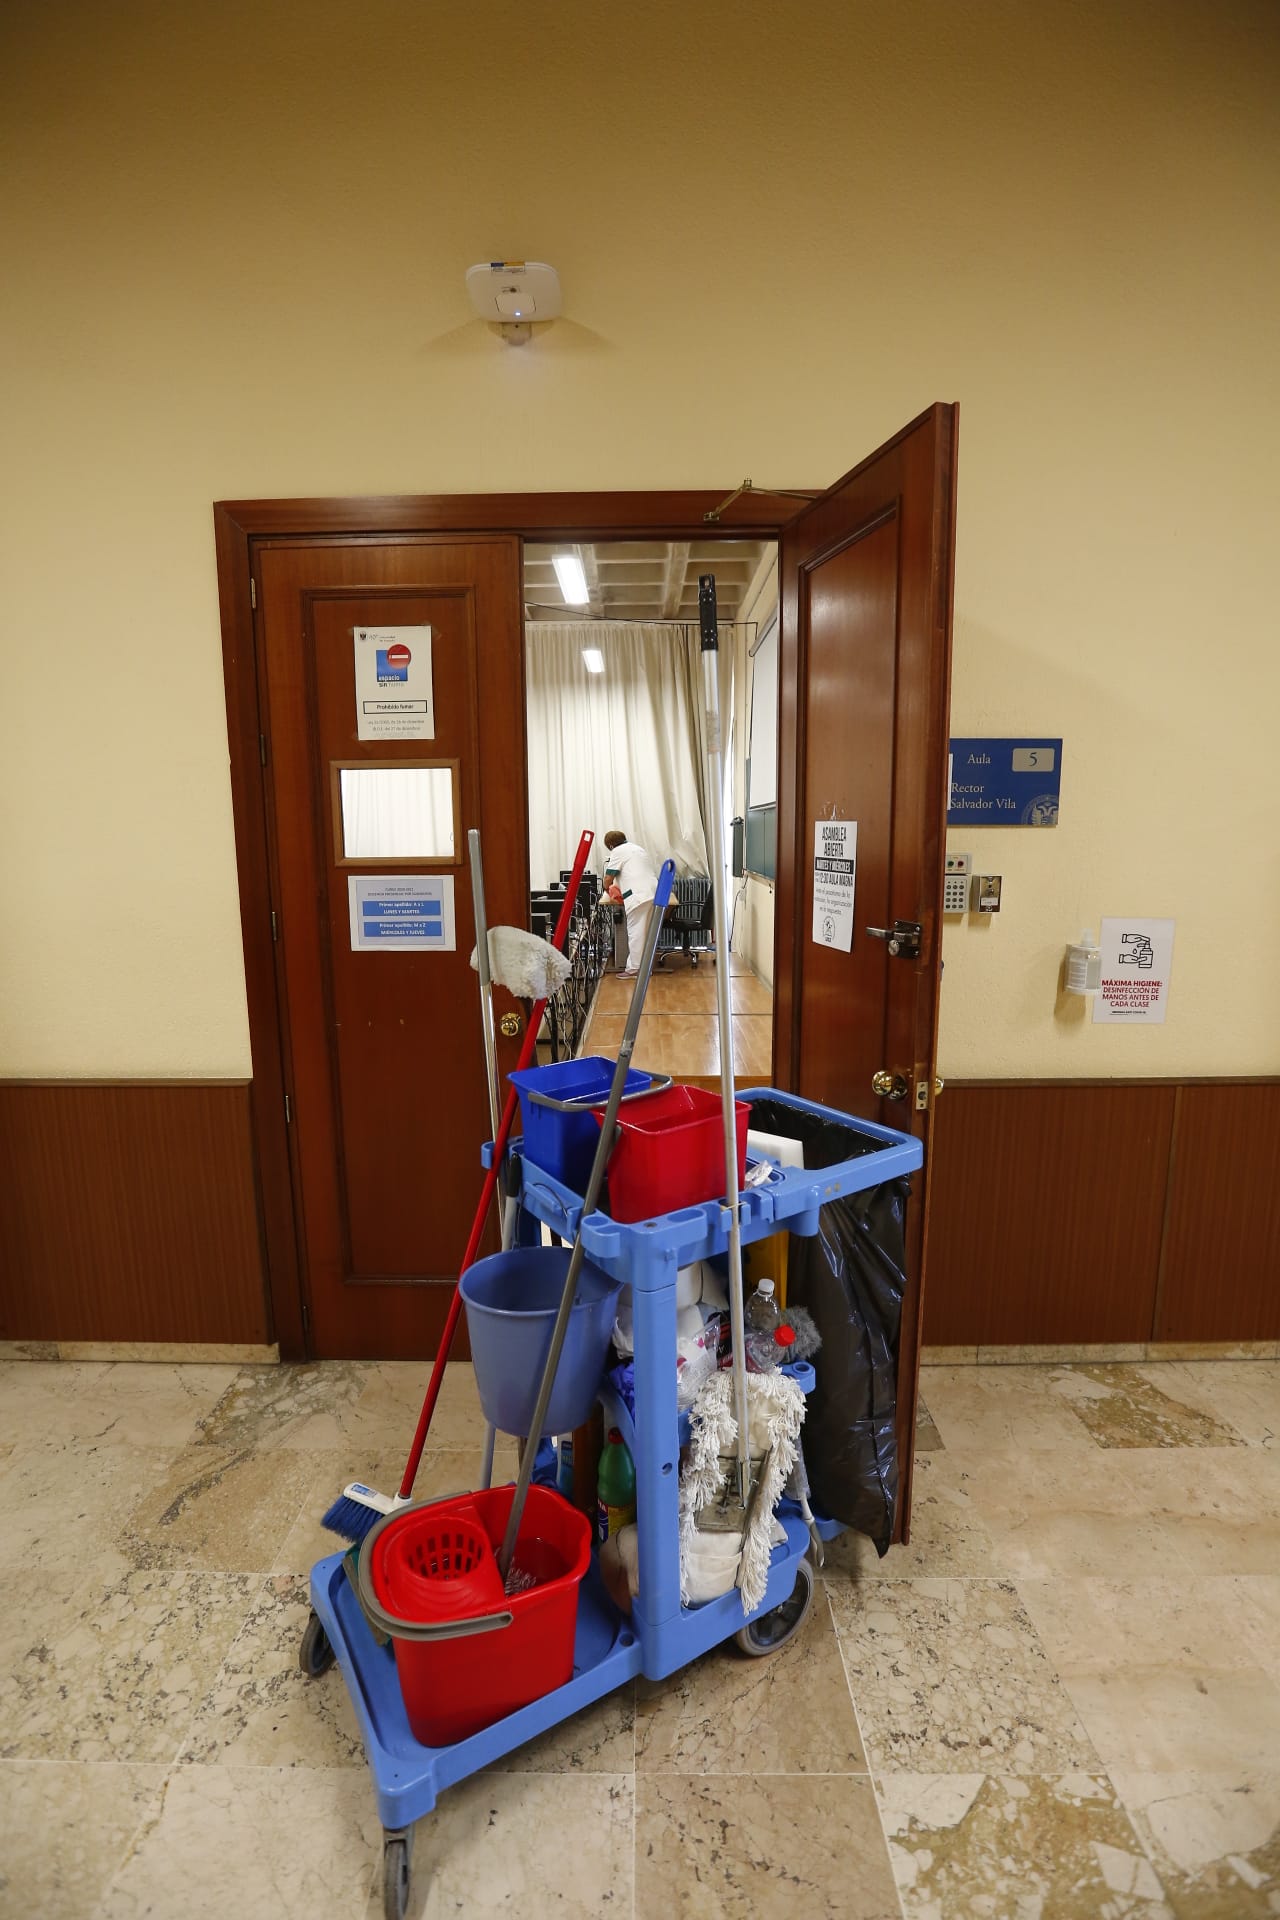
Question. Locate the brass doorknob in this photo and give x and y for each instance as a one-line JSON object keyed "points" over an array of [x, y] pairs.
{"points": [[890, 1086], [509, 1025], [938, 1084]]}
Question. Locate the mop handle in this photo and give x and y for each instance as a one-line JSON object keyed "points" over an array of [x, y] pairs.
{"points": [[708, 623], [486, 978], [527, 1051], [604, 1147]]}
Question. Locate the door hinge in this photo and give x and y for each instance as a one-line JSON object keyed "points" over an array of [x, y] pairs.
{"points": [[253, 593], [275, 926], [262, 748], [288, 1111]]}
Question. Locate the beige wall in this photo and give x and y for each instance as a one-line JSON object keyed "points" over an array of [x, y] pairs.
{"points": [[235, 240]]}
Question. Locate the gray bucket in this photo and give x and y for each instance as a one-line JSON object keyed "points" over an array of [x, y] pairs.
{"points": [[512, 1300]]}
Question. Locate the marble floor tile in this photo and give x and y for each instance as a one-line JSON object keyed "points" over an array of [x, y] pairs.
{"points": [[28, 1350], [262, 1710], [1168, 1719], [781, 1847], [259, 1843], [1257, 1617], [293, 1406], [1003, 1408], [526, 1845], [600, 1739], [1124, 1407], [66, 1830], [1225, 1504], [1203, 1621], [1077, 1513], [218, 1510], [1214, 1840], [387, 1411], [947, 1533], [1244, 1393], [111, 1670], [443, 1471], [727, 1714], [949, 1676], [1009, 1846], [111, 1404], [63, 1506], [928, 1439]]}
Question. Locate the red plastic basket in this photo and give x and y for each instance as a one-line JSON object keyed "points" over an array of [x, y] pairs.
{"points": [[439, 1563], [670, 1153]]}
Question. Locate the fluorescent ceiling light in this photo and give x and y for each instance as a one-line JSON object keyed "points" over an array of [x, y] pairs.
{"points": [[593, 659], [573, 581]]}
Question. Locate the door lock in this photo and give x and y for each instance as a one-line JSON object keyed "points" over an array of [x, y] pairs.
{"points": [[903, 938], [890, 1086], [509, 1025]]}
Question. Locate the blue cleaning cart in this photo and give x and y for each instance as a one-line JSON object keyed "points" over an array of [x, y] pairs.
{"points": [[659, 1635]]}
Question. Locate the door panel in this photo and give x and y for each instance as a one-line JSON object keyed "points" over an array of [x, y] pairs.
{"points": [[385, 1060], [865, 652]]}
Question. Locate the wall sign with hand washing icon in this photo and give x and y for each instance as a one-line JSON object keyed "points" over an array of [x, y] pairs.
{"points": [[1137, 958]]}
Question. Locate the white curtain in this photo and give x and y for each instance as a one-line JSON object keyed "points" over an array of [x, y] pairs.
{"points": [[397, 813], [622, 748]]}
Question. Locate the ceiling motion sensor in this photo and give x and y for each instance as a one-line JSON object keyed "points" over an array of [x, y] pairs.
{"points": [[513, 294]]}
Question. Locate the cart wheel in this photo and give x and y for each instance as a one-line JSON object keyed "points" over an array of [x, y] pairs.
{"points": [[315, 1656], [773, 1630], [396, 1869]]}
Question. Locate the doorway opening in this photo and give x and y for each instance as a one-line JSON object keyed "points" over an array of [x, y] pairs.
{"points": [[616, 740]]}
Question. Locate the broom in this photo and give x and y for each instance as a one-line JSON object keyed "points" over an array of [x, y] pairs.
{"points": [[536, 965]]}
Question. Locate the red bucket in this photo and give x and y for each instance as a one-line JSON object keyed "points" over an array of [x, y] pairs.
{"points": [[670, 1152], [438, 1563]]}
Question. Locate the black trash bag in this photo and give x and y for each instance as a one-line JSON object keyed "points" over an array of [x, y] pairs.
{"points": [[850, 1276]]}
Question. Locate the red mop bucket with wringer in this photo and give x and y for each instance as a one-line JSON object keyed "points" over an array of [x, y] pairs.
{"points": [[467, 1653]]}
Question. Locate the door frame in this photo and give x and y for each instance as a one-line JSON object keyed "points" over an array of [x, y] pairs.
{"points": [[238, 526]]}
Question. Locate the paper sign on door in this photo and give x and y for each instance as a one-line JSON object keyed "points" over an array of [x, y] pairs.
{"points": [[409, 914], [835, 862], [393, 683]]}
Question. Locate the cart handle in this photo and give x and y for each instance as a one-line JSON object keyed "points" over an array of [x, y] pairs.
{"points": [[414, 1629]]}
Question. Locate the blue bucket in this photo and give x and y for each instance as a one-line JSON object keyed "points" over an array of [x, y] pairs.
{"points": [[556, 1101], [511, 1300]]}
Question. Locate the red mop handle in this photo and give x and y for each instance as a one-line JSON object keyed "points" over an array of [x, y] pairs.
{"points": [[558, 939]]}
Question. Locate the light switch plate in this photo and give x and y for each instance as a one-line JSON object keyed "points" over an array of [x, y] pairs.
{"points": [[986, 892]]}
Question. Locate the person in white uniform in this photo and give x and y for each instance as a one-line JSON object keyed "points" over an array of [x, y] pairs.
{"points": [[631, 879]]}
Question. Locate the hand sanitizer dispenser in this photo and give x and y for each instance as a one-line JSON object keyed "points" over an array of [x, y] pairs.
{"points": [[1084, 964]]}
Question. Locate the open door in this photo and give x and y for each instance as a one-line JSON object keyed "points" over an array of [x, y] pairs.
{"points": [[865, 655]]}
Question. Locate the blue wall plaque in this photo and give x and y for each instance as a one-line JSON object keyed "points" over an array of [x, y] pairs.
{"points": [[1004, 783]]}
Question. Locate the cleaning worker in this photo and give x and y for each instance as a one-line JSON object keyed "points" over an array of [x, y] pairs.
{"points": [[631, 880]]}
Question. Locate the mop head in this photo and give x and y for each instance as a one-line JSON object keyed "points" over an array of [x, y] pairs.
{"points": [[807, 1338], [530, 968], [776, 1413]]}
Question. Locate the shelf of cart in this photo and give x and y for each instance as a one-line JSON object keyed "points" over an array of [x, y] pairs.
{"points": [[408, 1776]]}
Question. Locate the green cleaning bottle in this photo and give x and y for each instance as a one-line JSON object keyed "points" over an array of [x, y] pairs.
{"points": [[616, 1486]]}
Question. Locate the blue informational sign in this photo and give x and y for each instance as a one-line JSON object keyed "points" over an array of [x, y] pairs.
{"points": [[1004, 783], [402, 913]]}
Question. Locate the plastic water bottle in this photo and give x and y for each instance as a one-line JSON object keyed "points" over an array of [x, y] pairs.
{"points": [[762, 1309], [616, 1486], [768, 1351]]}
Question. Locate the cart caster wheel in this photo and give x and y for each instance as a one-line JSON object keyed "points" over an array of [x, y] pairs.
{"points": [[397, 1869], [315, 1656], [773, 1630]]}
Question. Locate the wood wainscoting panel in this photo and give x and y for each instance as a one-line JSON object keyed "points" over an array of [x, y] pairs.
{"points": [[130, 1213], [1047, 1206], [1220, 1278]]}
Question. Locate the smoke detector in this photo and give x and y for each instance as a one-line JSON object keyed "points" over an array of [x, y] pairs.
{"points": [[514, 294]]}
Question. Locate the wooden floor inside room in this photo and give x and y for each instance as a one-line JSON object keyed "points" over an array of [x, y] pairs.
{"points": [[679, 1031]]}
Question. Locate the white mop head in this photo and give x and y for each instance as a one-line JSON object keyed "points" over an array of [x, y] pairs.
{"points": [[776, 1409], [530, 968]]}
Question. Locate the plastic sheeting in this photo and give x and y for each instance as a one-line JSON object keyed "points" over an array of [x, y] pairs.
{"points": [[850, 1276]]}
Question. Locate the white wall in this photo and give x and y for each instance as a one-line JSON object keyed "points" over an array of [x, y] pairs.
{"points": [[236, 240]]}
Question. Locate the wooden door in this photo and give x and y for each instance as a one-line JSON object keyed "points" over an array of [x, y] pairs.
{"points": [[864, 676], [384, 1055]]}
